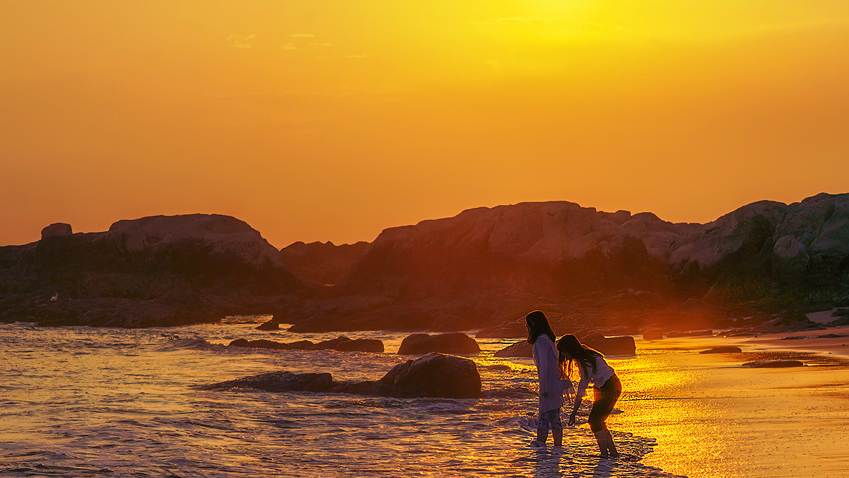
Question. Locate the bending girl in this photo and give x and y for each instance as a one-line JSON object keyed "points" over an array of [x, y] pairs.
{"points": [[593, 368]]}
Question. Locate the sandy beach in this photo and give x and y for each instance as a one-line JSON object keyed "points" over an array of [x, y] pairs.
{"points": [[713, 417]]}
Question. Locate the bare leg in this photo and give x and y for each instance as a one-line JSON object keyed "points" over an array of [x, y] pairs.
{"points": [[542, 436], [605, 444], [602, 445], [558, 437], [610, 445]]}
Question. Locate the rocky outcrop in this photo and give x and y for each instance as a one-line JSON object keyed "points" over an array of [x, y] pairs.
{"points": [[156, 271], [342, 344], [56, 230], [487, 266], [456, 343], [433, 375], [322, 264], [219, 235], [481, 269]]}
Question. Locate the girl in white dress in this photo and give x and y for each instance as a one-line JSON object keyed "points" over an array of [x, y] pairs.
{"points": [[551, 386]]}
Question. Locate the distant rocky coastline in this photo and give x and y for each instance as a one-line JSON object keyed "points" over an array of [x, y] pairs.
{"points": [[761, 267], [154, 271]]}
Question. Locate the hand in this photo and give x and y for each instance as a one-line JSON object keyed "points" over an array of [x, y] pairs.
{"points": [[571, 419]]}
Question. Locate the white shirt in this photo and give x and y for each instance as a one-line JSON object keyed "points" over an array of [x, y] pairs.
{"points": [[548, 369], [603, 372]]}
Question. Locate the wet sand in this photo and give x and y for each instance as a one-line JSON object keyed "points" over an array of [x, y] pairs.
{"points": [[712, 417]]}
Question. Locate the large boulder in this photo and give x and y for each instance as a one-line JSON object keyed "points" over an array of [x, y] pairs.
{"points": [[433, 375], [56, 230], [451, 343], [222, 235]]}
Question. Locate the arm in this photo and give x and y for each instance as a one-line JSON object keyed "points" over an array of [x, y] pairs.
{"points": [[574, 411], [579, 395]]}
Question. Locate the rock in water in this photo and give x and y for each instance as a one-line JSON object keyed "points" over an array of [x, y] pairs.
{"points": [[774, 364], [268, 326], [452, 343], [519, 349], [726, 349], [342, 344], [279, 382], [433, 375]]}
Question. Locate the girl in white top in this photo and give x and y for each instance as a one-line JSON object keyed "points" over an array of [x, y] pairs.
{"points": [[551, 386], [607, 388]]}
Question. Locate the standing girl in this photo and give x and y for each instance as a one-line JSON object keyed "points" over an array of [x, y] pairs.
{"points": [[593, 368], [550, 385]]}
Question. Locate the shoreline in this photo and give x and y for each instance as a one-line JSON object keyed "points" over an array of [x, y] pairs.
{"points": [[712, 417]]}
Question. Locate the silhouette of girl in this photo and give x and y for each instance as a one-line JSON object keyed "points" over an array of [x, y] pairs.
{"points": [[607, 388], [550, 384]]}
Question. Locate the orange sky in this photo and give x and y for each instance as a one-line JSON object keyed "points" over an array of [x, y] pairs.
{"points": [[322, 120]]}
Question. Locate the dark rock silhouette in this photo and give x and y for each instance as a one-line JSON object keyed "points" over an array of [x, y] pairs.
{"points": [[322, 264], [433, 375], [519, 349], [690, 333], [452, 343], [653, 334], [270, 325], [728, 349], [155, 271], [482, 269], [279, 382], [56, 230], [487, 267], [342, 344], [774, 364]]}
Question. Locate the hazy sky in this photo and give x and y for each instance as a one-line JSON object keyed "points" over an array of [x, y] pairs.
{"points": [[321, 120]]}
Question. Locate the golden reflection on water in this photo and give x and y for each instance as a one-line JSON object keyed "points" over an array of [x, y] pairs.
{"points": [[714, 418]]}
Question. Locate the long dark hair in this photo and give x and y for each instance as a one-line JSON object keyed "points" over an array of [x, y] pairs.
{"points": [[538, 325], [578, 352]]}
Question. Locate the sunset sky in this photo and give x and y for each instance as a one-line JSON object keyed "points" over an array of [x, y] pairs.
{"points": [[321, 120]]}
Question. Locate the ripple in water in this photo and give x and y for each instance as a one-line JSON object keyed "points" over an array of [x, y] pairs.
{"points": [[79, 401]]}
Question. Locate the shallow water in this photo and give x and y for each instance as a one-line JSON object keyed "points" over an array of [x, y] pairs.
{"points": [[79, 401]]}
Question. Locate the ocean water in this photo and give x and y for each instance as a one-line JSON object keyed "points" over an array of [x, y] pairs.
{"points": [[80, 401]]}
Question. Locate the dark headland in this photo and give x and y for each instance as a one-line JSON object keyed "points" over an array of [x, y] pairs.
{"points": [[760, 267]]}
